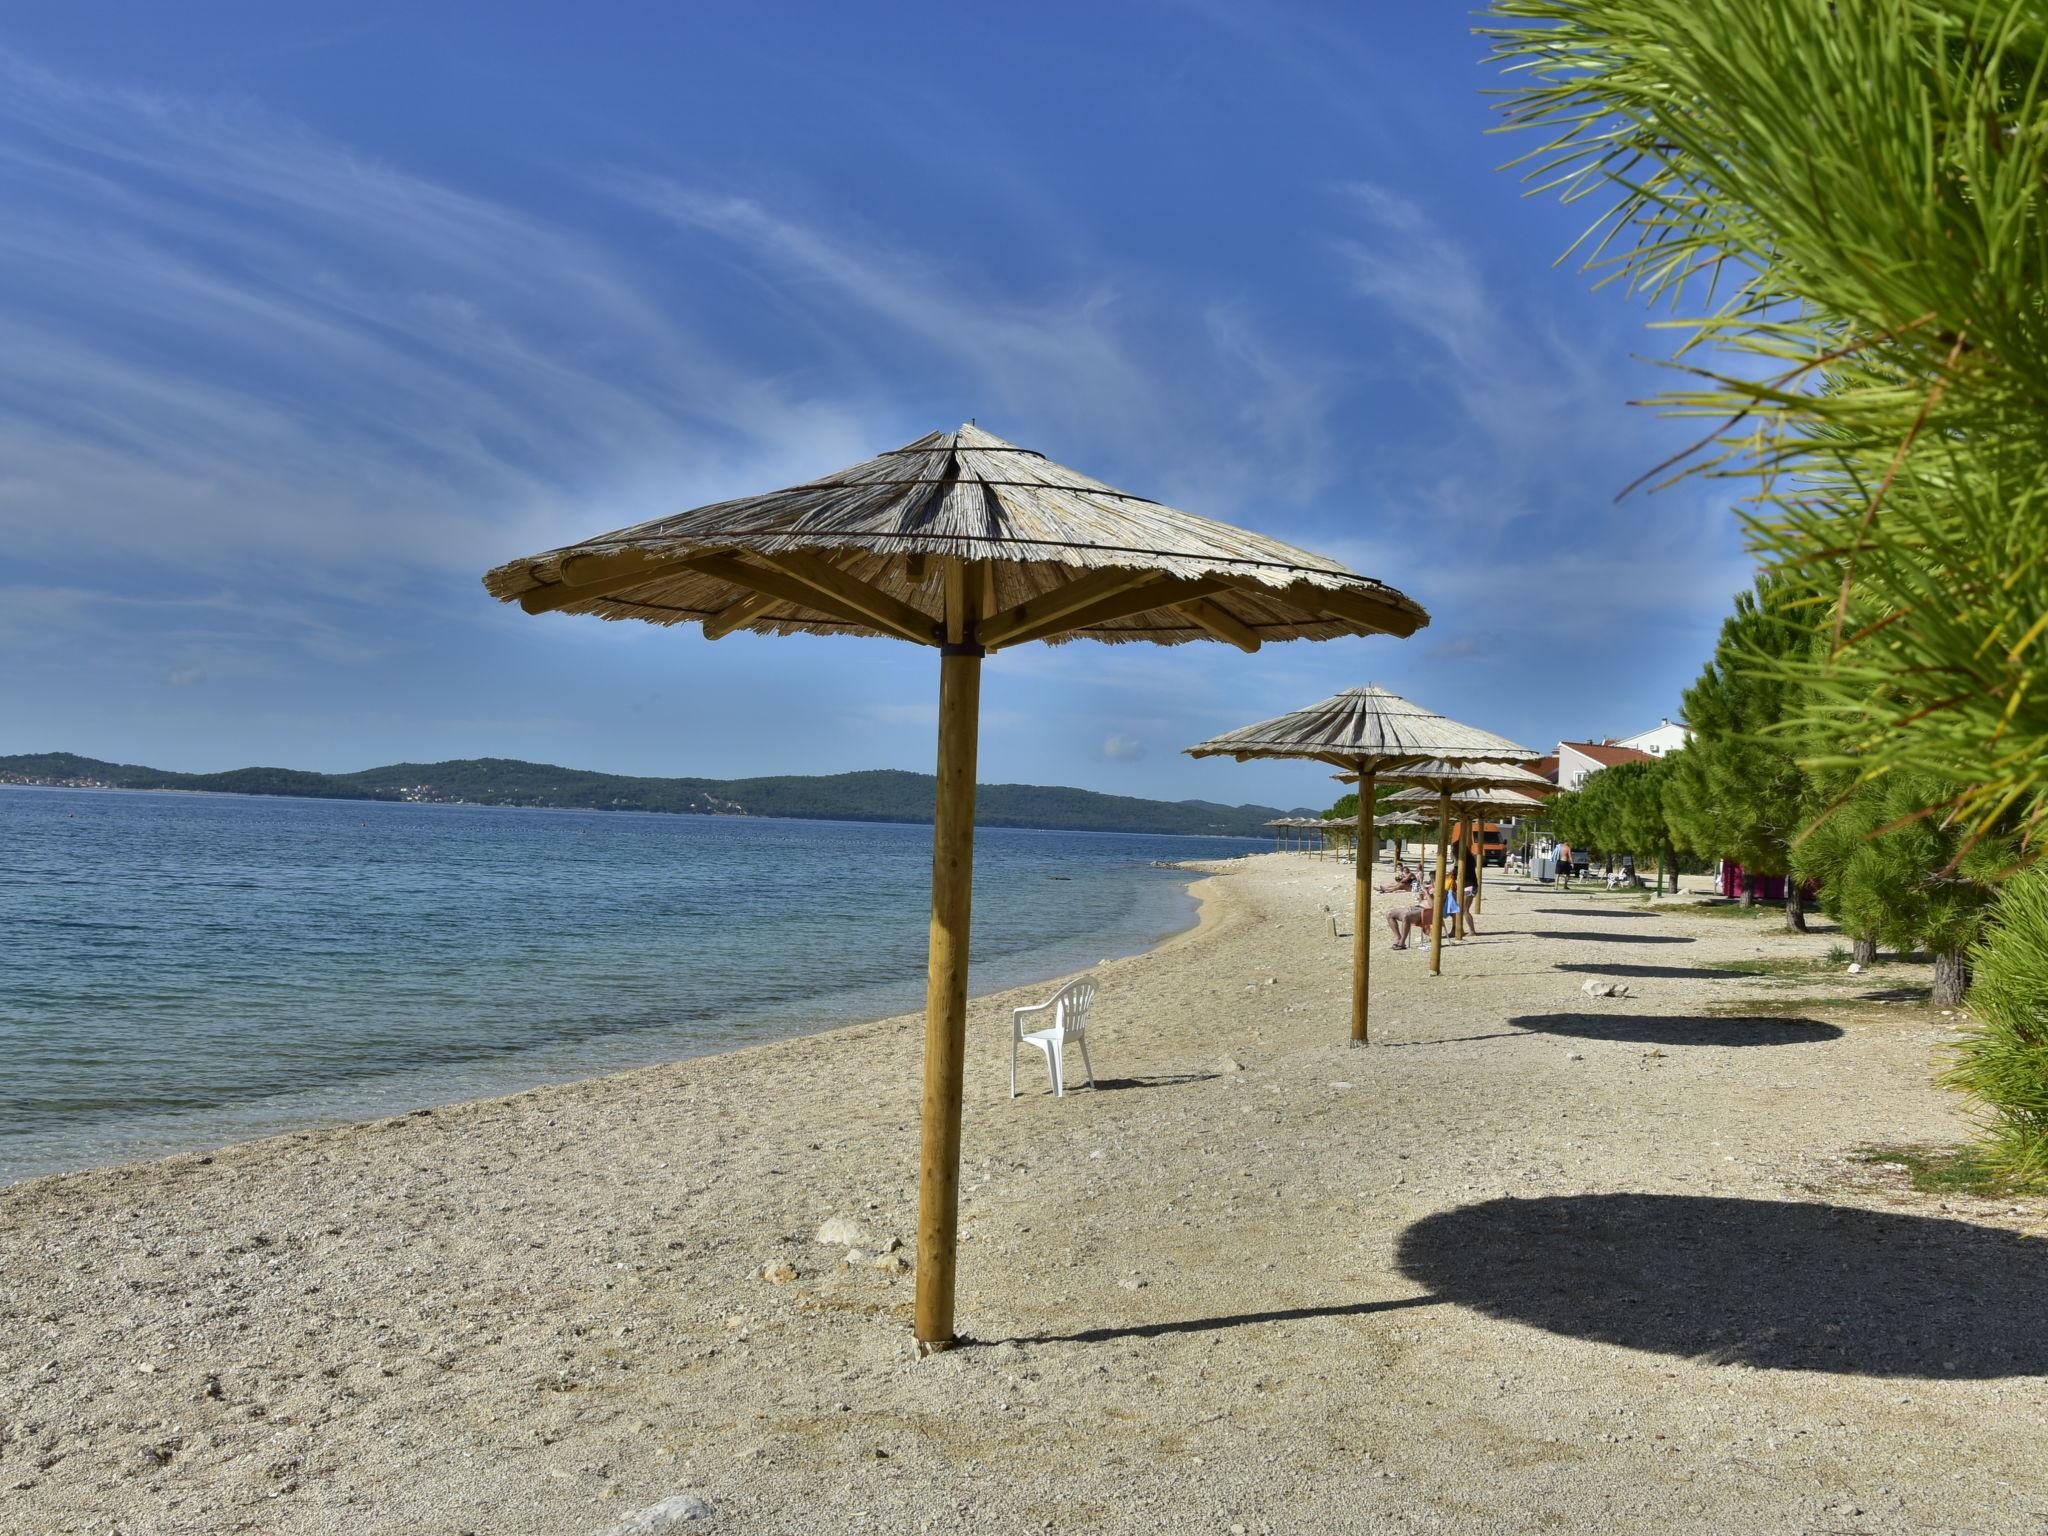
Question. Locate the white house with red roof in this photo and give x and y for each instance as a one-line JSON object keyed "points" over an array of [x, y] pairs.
{"points": [[1667, 736], [1578, 761]]}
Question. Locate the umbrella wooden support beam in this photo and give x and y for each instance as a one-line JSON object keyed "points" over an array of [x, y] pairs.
{"points": [[1436, 907], [945, 1005], [1464, 853], [1361, 911]]}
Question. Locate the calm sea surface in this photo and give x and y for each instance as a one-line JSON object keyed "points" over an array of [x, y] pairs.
{"points": [[180, 971]]}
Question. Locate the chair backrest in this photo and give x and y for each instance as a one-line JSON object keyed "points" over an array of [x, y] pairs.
{"points": [[1074, 1000]]}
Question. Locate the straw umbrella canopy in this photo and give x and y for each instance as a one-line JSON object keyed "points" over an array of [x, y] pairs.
{"points": [[1366, 731], [968, 544]]}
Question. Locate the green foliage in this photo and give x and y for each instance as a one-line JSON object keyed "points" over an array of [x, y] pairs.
{"points": [[1950, 1170], [1893, 868], [1841, 205], [1737, 790], [881, 795], [1347, 807], [2004, 1059]]}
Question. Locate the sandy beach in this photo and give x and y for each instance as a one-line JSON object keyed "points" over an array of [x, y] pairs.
{"points": [[1535, 1261]]}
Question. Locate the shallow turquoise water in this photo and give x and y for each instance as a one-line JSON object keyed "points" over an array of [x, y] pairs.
{"points": [[188, 970]]}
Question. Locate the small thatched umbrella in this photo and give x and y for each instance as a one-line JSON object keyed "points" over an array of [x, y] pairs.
{"points": [[1445, 778], [1397, 820], [968, 544], [1367, 731]]}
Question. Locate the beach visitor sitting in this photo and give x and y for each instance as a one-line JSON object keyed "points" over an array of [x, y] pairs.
{"points": [[1404, 879], [1403, 921]]}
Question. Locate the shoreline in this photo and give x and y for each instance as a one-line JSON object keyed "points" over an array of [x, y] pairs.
{"points": [[409, 1105], [627, 810]]}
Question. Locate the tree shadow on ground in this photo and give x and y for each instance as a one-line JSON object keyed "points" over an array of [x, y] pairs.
{"points": [[1612, 938], [1778, 1285], [1678, 1029], [1620, 968]]}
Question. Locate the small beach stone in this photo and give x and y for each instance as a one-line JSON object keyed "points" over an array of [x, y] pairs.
{"points": [[678, 1509], [840, 1232], [889, 1263], [778, 1274]]}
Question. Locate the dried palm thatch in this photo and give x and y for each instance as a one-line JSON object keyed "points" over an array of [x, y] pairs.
{"points": [[1445, 778], [970, 544], [1367, 729], [863, 551]]}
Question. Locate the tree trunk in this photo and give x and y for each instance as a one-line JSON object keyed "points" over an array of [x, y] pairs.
{"points": [[1863, 951], [1748, 889], [1795, 904], [1951, 978]]}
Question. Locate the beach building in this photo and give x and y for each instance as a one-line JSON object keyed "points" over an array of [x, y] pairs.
{"points": [[1578, 761], [1668, 735]]}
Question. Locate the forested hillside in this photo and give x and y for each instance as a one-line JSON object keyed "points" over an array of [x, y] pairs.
{"points": [[877, 795]]}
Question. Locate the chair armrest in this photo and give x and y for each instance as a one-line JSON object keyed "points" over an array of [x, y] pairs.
{"points": [[1017, 1016]]}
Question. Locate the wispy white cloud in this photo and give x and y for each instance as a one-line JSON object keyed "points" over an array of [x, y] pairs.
{"points": [[1193, 395], [223, 338], [1119, 748]]}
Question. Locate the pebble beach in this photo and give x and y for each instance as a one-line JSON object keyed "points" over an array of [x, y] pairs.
{"points": [[1535, 1260]]}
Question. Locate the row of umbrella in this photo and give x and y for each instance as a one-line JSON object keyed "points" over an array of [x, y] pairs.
{"points": [[1375, 737], [970, 545]]}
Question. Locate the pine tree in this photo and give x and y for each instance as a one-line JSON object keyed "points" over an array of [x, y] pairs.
{"points": [[1841, 205], [1737, 791], [2004, 1058]]}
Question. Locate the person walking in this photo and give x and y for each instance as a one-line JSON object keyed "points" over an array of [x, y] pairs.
{"points": [[1567, 865]]}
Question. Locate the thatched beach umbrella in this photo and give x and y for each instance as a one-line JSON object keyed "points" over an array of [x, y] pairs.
{"points": [[968, 544], [1396, 820], [1445, 777], [1367, 731]]}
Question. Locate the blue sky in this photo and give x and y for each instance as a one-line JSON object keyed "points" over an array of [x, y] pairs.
{"points": [[309, 315]]}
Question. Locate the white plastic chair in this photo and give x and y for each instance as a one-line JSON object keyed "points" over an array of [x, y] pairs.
{"points": [[1069, 1007]]}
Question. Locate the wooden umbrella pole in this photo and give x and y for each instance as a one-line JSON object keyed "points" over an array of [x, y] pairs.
{"points": [[1458, 880], [1436, 907], [945, 999], [1479, 867], [1361, 910]]}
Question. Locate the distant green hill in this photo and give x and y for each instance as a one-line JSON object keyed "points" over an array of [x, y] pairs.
{"points": [[877, 795]]}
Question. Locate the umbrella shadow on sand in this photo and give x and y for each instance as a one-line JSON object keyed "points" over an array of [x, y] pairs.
{"points": [[1599, 912], [1156, 1080], [1678, 1029], [1611, 938], [1666, 972], [1777, 1285]]}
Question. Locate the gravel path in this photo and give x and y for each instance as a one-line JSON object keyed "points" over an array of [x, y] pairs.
{"points": [[1535, 1261]]}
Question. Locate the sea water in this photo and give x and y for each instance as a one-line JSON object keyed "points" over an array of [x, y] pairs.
{"points": [[182, 971]]}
